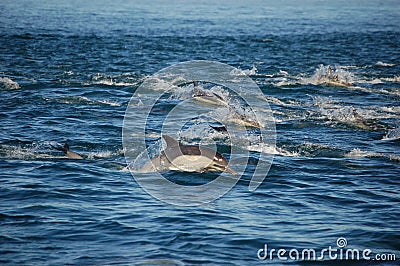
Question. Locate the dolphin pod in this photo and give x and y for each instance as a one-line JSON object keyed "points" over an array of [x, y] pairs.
{"points": [[186, 158]]}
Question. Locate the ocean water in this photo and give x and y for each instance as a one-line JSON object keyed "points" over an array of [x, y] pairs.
{"points": [[330, 71]]}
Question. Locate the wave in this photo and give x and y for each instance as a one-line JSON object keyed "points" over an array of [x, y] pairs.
{"points": [[391, 109], [8, 84], [120, 80], [110, 103], [390, 92], [380, 63], [358, 153], [79, 100], [392, 79], [392, 134], [332, 110], [340, 110], [125, 79], [271, 149]]}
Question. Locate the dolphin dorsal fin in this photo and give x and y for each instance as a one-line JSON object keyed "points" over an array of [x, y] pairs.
{"points": [[171, 142], [66, 147]]}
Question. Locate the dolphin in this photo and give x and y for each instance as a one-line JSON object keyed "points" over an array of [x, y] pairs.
{"points": [[243, 120], [207, 95], [187, 158], [214, 98], [67, 152]]}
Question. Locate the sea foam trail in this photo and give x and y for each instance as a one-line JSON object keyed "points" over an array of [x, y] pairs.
{"points": [[27, 152]]}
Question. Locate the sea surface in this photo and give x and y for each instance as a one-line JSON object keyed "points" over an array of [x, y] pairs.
{"points": [[330, 71]]}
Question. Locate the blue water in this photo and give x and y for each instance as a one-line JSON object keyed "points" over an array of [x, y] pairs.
{"points": [[68, 70]]}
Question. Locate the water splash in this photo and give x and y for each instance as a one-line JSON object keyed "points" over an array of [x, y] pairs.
{"points": [[8, 84], [392, 134], [104, 154], [28, 152], [331, 76], [126, 79], [245, 72], [323, 75]]}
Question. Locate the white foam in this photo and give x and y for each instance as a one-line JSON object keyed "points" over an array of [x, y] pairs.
{"points": [[270, 149], [323, 75], [252, 71], [8, 84], [357, 153], [110, 103], [124, 80], [329, 75], [350, 67], [237, 72], [29, 152], [104, 154], [392, 134], [68, 73], [283, 72], [335, 109], [75, 100], [391, 109], [275, 101], [380, 63], [113, 83], [392, 79], [248, 72], [335, 76]]}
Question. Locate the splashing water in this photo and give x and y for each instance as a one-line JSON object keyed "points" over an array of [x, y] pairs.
{"points": [[332, 76], [8, 84], [392, 134]]}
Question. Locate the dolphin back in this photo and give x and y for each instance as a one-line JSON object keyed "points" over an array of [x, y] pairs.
{"points": [[171, 142], [64, 149]]}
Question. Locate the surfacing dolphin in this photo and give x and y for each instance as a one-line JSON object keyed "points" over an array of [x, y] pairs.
{"points": [[241, 119], [187, 158], [67, 152], [207, 95], [214, 98]]}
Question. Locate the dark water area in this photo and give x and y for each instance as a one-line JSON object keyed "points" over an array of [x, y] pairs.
{"points": [[68, 71]]}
